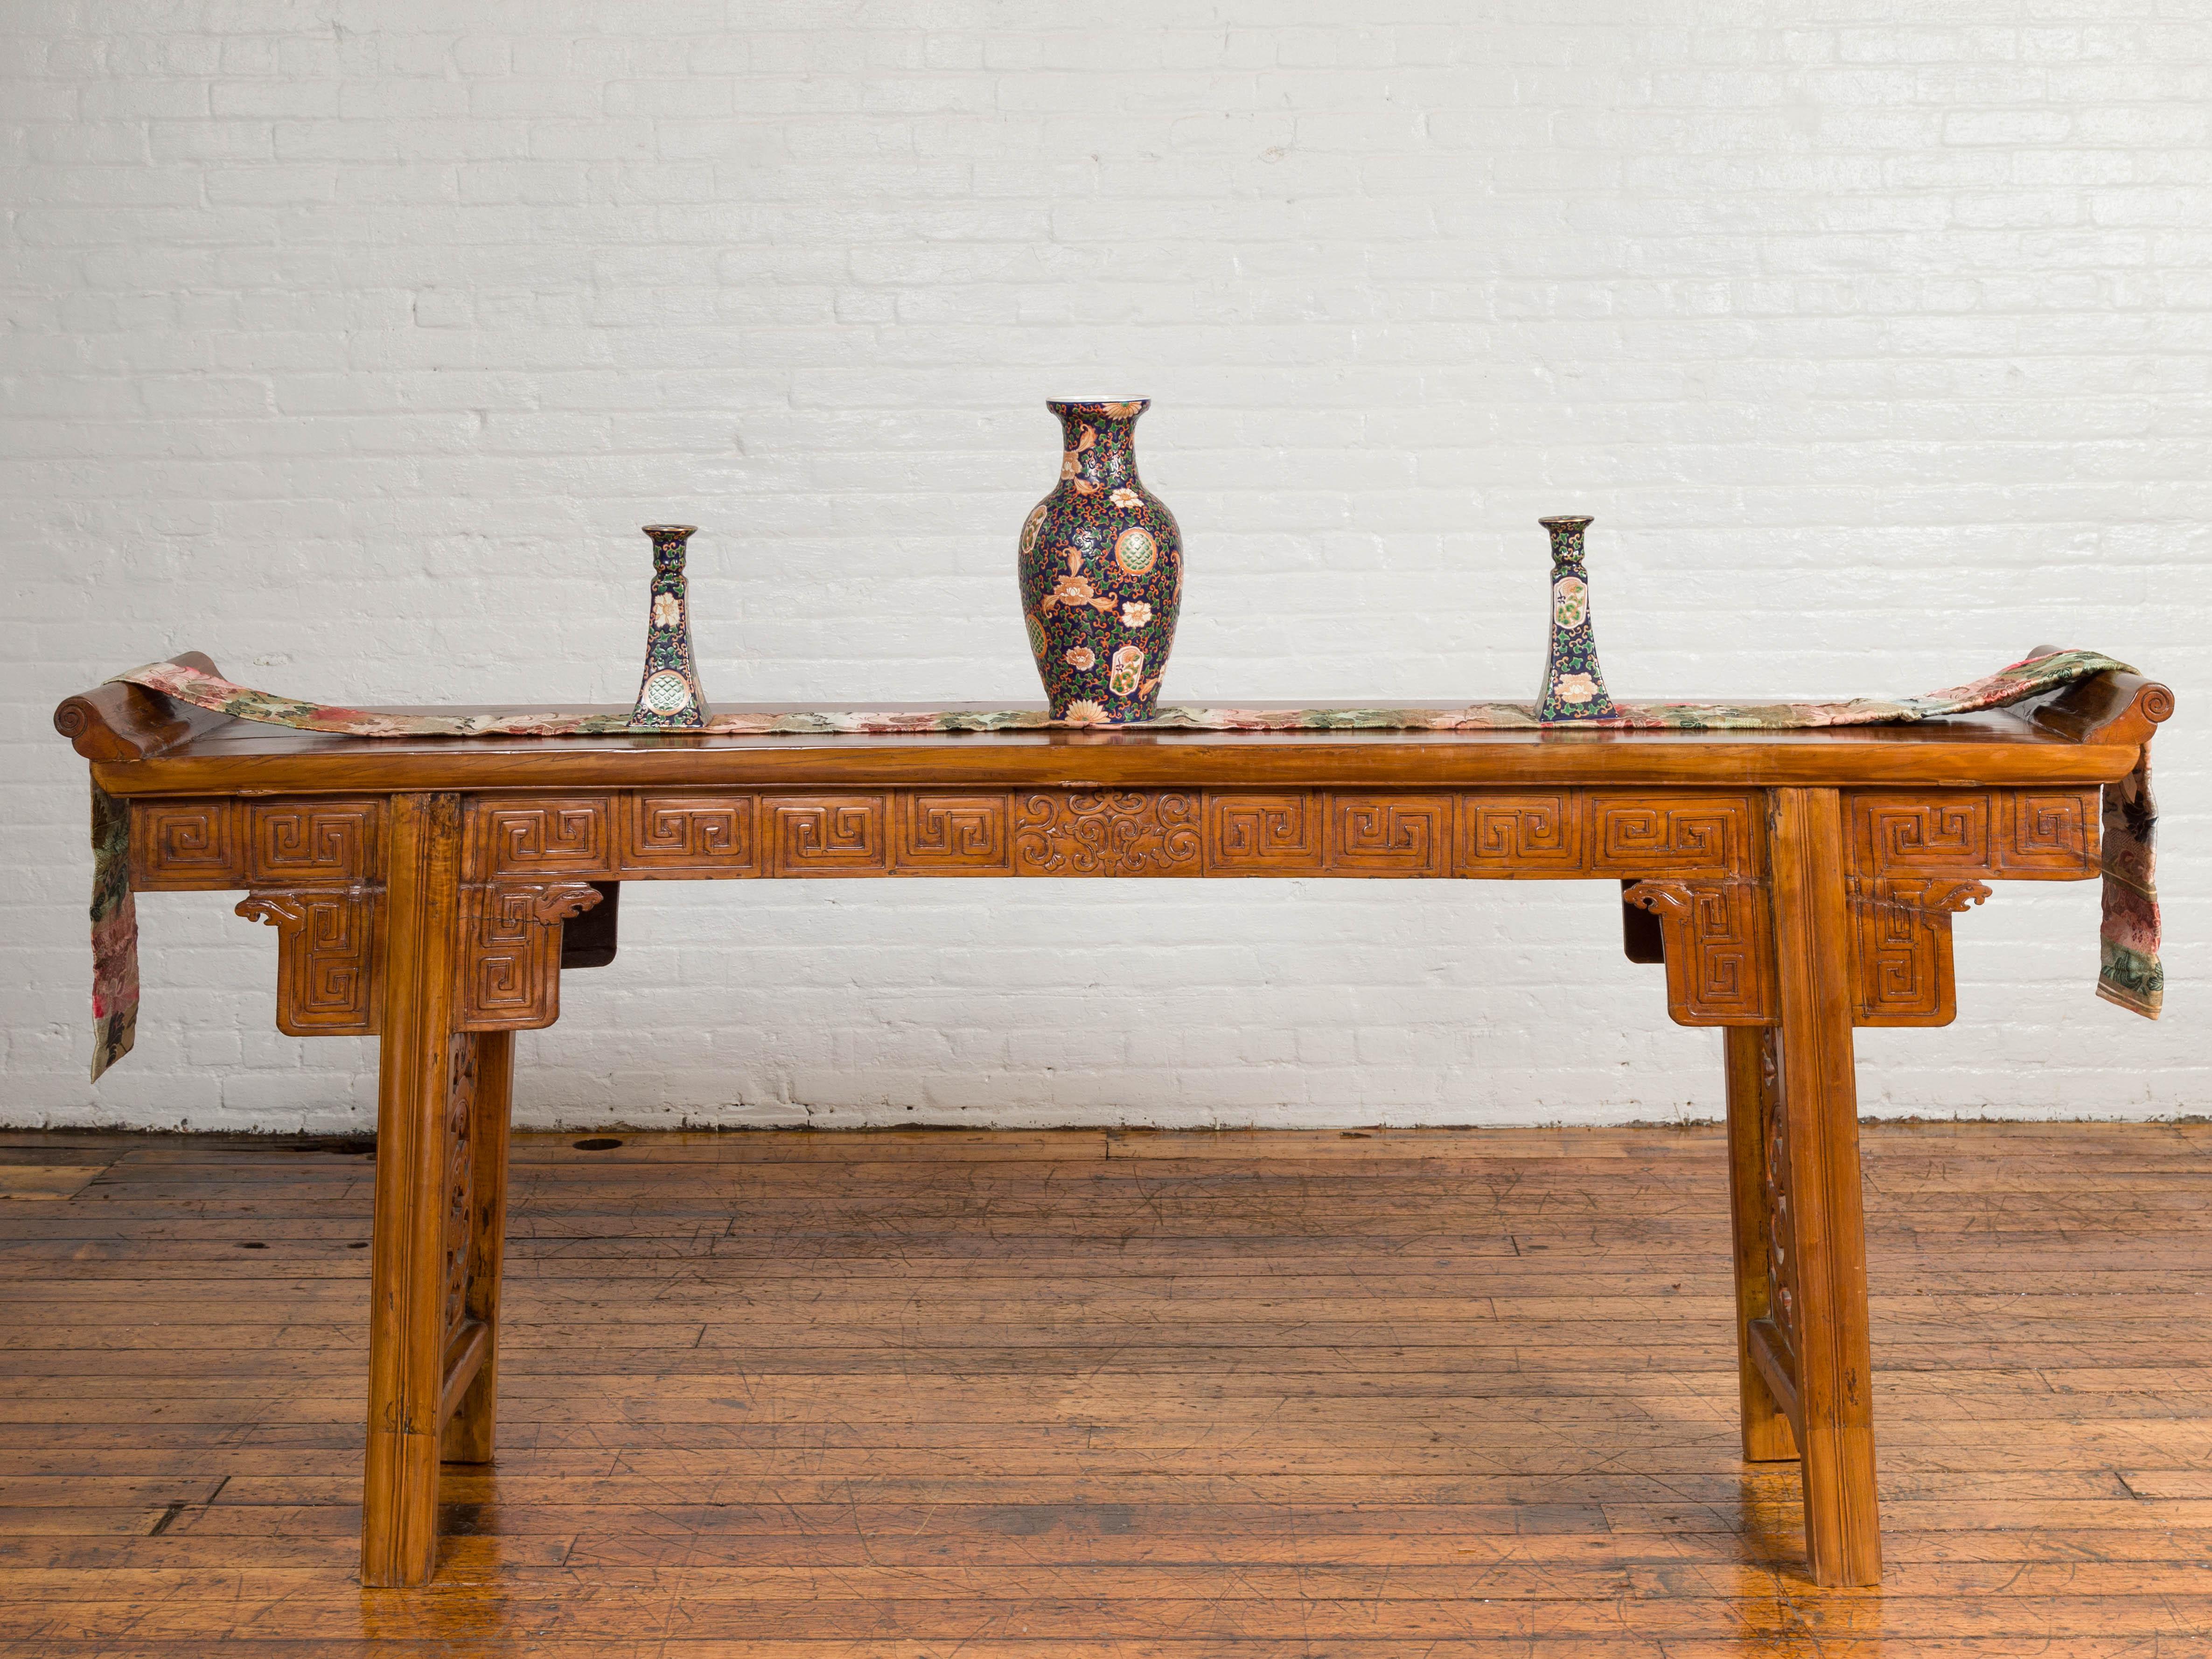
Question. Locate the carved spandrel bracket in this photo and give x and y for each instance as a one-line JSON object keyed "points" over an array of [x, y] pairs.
{"points": [[1720, 957], [1902, 926], [1946, 897], [511, 951], [329, 977]]}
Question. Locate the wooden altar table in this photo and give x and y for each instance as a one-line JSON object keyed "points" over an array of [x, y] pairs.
{"points": [[1796, 883]]}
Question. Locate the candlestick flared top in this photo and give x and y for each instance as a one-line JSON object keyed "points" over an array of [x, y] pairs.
{"points": [[1566, 530]]}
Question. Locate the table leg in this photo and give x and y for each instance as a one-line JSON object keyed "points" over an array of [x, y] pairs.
{"points": [[1813, 1152], [468, 1437], [1750, 1050], [424, 1063]]}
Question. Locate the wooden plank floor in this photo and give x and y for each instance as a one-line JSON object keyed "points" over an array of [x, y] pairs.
{"points": [[1420, 1395]]}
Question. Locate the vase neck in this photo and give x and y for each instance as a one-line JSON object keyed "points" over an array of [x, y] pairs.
{"points": [[1098, 444]]}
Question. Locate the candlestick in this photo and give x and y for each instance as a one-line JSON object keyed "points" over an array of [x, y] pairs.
{"points": [[1573, 688], [668, 697]]}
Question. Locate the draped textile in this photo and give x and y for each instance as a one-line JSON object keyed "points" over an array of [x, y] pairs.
{"points": [[2129, 971]]}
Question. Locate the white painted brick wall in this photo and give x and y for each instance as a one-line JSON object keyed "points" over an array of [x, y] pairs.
{"points": [[350, 341]]}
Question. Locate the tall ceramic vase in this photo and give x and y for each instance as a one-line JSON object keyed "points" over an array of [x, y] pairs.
{"points": [[1101, 572], [1573, 687]]}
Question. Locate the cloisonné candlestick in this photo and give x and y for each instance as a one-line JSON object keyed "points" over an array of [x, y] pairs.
{"points": [[1573, 688], [669, 698]]}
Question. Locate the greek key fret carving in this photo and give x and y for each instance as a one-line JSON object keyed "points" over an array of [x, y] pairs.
{"points": [[1116, 833], [2055, 833], [1552, 833], [329, 981], [1263, 834], [1390, 835], [303, 843], [1686, 836], [1720, 970], [184, 845], [952, 834], [1950, 833], [1536, 834], [511, 951], [827, 834], [689, 835], [1903, 972], [546, 838], [2017, 835]]}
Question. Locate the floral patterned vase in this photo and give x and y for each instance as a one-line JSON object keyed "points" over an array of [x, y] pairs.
{"points": [[1573, 688], [1101, 572]]}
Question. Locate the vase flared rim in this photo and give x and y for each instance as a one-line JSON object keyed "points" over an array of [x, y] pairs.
{"points": [[1566, 521], [1135, 406], [670, 529]]}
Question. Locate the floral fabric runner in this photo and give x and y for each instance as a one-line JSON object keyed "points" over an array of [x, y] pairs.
{"points": [[2128, 972], [2010, 684], [114, 933]]}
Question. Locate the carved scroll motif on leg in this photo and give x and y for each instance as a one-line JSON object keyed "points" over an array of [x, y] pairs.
{"points": [[1813, 1159], [463, 1339], [1770, 1330], [1719, 954], [424, 930], [1903, 926], [1781, 1247], [511, 955], [1761, 1286], [460, 1102], [328, 977], [469, 1398]]}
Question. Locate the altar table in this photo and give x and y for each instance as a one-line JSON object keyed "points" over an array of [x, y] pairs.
{"points": [[1796, 883]]}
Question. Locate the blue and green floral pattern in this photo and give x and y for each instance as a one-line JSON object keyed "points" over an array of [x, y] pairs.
{"points": [[1572, 688], [669, 697]]}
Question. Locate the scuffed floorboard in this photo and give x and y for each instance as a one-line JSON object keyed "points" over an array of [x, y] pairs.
{"points": [[1442, 1395]]}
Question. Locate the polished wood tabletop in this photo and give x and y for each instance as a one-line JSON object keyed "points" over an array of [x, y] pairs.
{"points": [[1793, 883]]}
